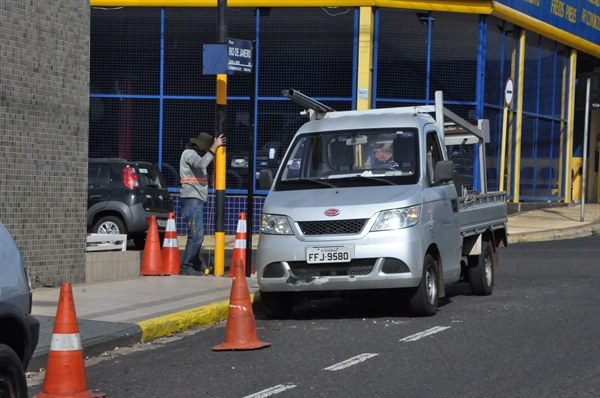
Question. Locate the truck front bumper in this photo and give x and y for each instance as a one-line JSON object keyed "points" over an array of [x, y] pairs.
{"points": [[380, 260]]}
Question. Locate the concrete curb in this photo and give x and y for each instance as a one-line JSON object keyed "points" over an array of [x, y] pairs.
{"points": [[207, 315], [570, 233], [96, 338]]}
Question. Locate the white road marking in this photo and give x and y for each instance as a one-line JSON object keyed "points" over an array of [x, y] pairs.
{"points": [[426, 333], [271, 391], [350, 362]]}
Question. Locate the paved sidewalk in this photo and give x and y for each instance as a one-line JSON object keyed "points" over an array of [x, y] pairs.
{"points": [[553, 223], [126, 311]]}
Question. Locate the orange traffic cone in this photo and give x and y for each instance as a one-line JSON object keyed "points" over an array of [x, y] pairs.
{"points": [[170, 252], [152, 263], [239, 246], [65, 372], [240, 332]]}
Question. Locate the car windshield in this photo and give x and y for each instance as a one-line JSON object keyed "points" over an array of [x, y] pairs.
{"points": [[351, 158]]}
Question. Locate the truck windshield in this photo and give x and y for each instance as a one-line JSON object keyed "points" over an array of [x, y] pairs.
{"points": [[351, 158]]}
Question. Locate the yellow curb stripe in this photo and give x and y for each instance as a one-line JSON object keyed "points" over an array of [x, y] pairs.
{"points": [[207, 315]]}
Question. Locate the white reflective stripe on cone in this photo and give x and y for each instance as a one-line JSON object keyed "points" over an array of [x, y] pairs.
{"points": [[241, 226], [170, 243], [239, 244], [65, 342]]}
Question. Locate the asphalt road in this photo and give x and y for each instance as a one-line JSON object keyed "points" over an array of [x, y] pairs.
{"points": [[537, 335]]}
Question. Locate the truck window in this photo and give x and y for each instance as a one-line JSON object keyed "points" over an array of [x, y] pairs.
{"points": [[433, 155], [384, 156]]}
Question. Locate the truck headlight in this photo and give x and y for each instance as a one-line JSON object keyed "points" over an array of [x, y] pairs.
{"points": [[239, 163], [397, 218], [275, 225]]}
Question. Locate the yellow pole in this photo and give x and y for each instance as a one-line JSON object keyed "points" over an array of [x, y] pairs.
{"points": [[561, 159], [503, 146], [509, 169], [365, 59], [519, 115], [220, 162], [570, 125], [220, 165]]}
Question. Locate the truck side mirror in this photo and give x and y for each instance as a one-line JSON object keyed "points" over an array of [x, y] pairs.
{"points": [[265, 179], [444, 171]]}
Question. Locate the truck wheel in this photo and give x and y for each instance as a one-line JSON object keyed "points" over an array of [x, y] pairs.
{"points": [[277, 305], [110, 225], [424, 299], [481, 271], [12, 376]]}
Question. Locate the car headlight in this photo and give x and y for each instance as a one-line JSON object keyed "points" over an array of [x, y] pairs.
{"points": [[275, 225], [239, 163], [397, 218]]}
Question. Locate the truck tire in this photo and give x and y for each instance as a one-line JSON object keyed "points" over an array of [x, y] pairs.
{"points": [[12, 376], [109, 225], [425, 298], [481, 271], [277, 305]]}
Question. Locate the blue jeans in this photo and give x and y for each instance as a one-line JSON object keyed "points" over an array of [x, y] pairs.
{"points": [[193, 213]]}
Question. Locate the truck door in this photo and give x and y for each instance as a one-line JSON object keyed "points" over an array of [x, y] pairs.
{"points": [[441, 208]]}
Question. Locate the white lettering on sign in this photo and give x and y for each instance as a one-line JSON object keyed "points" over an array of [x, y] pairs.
{"points": [[240, 56], [240, 52]]}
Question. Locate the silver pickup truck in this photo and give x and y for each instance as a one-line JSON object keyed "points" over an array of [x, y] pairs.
{"points": [[369, 200]]}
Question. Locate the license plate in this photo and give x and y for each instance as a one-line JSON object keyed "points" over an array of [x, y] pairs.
{"points": [[162, 223], [329, 254]]}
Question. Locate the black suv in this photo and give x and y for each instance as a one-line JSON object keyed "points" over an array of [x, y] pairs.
{"points": [[19, 330], [122, 195]]}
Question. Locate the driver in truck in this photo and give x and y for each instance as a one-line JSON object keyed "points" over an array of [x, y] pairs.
{"points": [[385, 156]]}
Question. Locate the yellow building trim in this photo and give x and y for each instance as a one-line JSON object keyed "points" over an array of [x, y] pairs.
{"points": [[519, 127], [464, 6], [153, 3], [365, 59], [525, 21], [570, 123]]}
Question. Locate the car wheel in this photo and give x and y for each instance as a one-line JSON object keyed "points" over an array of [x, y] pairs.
{"points": [[481, 271], [110, 225], [13, 383], [277, 305], [425, 298]]}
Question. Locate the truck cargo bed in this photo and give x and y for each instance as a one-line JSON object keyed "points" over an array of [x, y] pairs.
{"points": [[478, 212]]}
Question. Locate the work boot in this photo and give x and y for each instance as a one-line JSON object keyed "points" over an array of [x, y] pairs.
{"points": [[190, 271]]}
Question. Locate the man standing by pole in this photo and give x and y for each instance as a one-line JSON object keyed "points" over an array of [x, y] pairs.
{"points": [[194, 191]]}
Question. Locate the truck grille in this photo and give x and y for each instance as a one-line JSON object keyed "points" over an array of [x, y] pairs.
{"points": [[302, 269], [341, 227]]}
